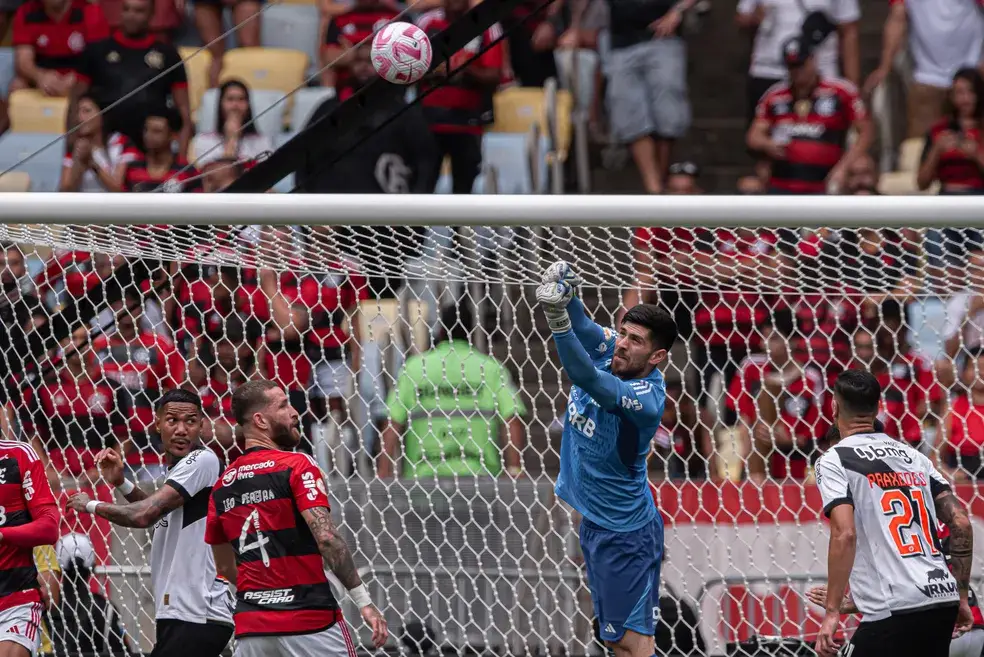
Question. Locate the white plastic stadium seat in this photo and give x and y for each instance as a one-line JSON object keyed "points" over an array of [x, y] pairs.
{"points": [[306, 101], [270, 124], [6, 69], [44, 168], [292, 26], [507, 155]]}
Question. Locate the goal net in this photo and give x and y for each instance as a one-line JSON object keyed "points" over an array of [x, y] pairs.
{"points": [[443, 477]]}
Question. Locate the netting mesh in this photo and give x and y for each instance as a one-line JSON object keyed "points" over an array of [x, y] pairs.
{"points": [[446, 495]]}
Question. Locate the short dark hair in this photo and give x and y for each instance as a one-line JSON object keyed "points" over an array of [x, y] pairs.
{"points": [[160, 111], [858, 392], [248, 397], [781, 320], [178, 396], [655, 318], [892, 311]]}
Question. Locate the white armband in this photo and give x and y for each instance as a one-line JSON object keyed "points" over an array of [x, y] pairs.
{"points": [[90, 506], [126, 487], [360, 596]]}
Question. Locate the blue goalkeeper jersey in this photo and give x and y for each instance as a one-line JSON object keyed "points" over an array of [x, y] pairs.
{"points": [[607, 432]]}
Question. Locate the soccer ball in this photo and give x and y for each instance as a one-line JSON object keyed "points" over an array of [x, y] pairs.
{"points": [[401, 53]]}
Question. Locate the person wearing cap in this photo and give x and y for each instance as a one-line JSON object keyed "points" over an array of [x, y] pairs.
{"points": [[85, 622], [682, 179], [802, 126]]}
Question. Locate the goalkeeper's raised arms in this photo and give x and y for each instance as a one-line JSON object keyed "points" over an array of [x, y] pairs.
{"points": [[553, 299]]}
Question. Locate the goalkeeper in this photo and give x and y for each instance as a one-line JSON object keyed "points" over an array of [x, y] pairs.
{"points": [[614, 410]]}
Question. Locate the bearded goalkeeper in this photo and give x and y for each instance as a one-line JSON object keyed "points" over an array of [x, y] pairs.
{"points": [[614, 410]]}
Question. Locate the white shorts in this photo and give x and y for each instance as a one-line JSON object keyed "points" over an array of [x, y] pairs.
{"points": [[336, 641], [22, 624], [332, 379], [969, 644]]}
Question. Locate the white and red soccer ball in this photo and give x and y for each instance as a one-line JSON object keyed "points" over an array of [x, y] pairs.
{"points": [[401, 53]]}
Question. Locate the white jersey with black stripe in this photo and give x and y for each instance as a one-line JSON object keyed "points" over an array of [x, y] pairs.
{"points": [[899, 566], [186, 587]]}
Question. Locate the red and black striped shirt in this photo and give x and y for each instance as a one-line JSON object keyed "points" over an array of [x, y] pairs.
{"points": [[25, 496], [814, 130], [256, 505], [180, 177], [461, 106], [58, 43], [955, 170], [354, 26]]}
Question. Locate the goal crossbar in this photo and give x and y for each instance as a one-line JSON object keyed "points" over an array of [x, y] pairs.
{"points": [[492, 210]]}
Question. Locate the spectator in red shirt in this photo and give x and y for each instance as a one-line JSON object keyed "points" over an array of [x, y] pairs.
{"points": [[953, 154], [780, 403], [49, 38], [961, 437], [229, 361], [802, 126], [682, 445], [345, 31], [98, 160], [144, 365], [160, 168], [459, 109]]}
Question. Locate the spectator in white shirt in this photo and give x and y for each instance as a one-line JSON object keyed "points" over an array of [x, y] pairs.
{"points": [[235, 133], [944, 36], [776, 21], [964, 328], [96, 163]]}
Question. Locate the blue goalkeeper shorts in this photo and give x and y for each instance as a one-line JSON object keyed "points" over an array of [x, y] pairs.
{"points": [[623, 575]]}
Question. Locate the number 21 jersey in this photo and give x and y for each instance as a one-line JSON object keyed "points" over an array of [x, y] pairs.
{"points": [[256, 506], [899, 566]]}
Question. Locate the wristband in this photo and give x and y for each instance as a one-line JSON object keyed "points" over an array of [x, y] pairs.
{"points": [[90, 506], [360, 596], [126, 487]]}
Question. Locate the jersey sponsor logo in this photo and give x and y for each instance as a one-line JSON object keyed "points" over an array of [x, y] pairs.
{"points": [[270, 597], [826, 106], [939, 584], [579, 422], [937, 575], [806, 130], [28, 486], [312, 484], [879, 452], [610, 629], [76, 42], [244, 472]]}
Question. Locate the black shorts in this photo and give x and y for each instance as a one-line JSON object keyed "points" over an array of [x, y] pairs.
{"points": [[916, 634], [176, 638]]}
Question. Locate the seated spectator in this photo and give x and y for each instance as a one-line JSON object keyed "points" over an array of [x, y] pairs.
{"points": [[682, 445], [208, 21], [780, 404], [459, 109], [344, 32], [77, 416], [447, 407], [942, 37], [862, 176], [235, 136], [49, 38], [961, 438], [647, 83], [773, 23], [219, 174], [750, 186], [160, 167], [144, 366], [802, 126], [128, 60], [953, 154], [98, 161], [229, 360], [683, 179]]}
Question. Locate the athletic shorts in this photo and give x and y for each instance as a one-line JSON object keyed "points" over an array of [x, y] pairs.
{"points": [[336, 641], [623, 575], [174, 637], [22, 624], [969, 644], [332, 379], [923, 633]]}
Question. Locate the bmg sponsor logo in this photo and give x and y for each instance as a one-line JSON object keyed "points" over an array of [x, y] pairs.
{"points": [[883, 451]]}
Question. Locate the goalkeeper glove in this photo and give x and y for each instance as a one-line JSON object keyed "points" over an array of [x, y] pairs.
{"points": [[553, 299], [561, 272]]}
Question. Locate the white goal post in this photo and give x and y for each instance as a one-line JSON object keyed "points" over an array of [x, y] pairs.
{"points": [[462, 539]]}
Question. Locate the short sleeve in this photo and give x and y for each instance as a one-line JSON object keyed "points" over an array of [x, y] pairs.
{"points": [[307, 482], [832, 482], [845, 11], [762, 111], [23, 34], [34, 484], [492, 57], [214, 535], [194, 473], [178, 77], [333, 35]]}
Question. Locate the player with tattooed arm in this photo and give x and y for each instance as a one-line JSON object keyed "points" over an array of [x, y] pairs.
{"points": [[269, 514], [615, 407], [885, 501], [193, 605]]}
